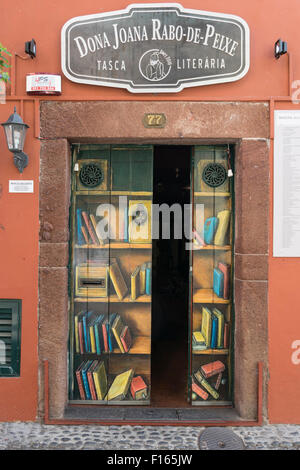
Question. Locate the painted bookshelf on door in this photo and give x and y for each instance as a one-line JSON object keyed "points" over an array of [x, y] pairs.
{"points": [[110, 275], [211, 315]]}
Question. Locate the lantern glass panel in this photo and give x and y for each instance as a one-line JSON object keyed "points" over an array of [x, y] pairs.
{"points": [[19, 133], [9, 136]]}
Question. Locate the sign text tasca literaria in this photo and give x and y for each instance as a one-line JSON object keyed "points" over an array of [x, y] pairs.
{"points": [[155, 48]]}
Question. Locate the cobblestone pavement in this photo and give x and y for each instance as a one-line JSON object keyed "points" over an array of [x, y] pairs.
{"points": [[30, 436]]}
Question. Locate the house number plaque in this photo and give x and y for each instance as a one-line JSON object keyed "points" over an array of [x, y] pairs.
{"points": [[154, 120]]}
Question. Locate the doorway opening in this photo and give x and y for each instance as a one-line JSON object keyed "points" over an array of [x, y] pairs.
{"points": [[170, 291]]}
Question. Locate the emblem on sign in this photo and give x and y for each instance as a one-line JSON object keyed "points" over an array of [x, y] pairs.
{"points": [[155, 48]]}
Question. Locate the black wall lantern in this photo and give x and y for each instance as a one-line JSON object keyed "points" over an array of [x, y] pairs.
{"points": [[15, 132], [280, 48]]}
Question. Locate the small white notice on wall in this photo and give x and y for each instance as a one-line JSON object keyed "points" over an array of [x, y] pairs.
{"points": [[286, 190], [21, 186]]}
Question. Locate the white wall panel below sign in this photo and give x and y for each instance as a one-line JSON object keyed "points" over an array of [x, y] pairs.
{"points": [[286, 221], [155, 48]]}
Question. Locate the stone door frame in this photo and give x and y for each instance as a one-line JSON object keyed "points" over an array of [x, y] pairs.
{"points": [[246, 124]]}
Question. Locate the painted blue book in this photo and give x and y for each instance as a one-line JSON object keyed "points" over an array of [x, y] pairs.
{"points": [[209, 230], [214, 332], [148, 278], [126, 224], [85, 380], [98, 334], [218, 282], [86, 319], [80, 238], [110, 335]]}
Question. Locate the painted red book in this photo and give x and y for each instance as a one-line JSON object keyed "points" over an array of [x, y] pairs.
{"points": [[199, 391], [138, 388], [79, 381], [126, 339], [226, 336], [225, 269], [213, 368], [91, 380], [104, 333]]}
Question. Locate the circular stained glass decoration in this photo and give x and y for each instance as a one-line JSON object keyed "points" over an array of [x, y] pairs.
{"points": [[91, 175], [214, 175]]}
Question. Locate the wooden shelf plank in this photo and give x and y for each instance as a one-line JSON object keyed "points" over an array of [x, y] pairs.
{"points": [[117, 246], [114, 298], [207, 296], [212, 247], [211, 194], [211, 351], [141, 345]]}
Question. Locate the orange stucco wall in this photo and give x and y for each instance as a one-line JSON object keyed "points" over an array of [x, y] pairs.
{"points": [[20, 21]]}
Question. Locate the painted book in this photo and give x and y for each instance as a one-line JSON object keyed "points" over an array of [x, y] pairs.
{"points": [[199, 391], [199, 240], [85, 323], [210, 227], [226, 336], [85, 235], [126, 225], [138, 388], [148, 278], [91, 379], [104, 335], [117, 328], [143, 279], [223, 225], [203, 382], [117, 279], [225, 269], [78, 332], [212, 368], [120, 386], [134, 280], [198, 341], [80, 381], [214, 332], [218, 282], [96, 233], [206, 324], [100, 380], [85, 380], [89, 228], [110, 336], [98, 334], [80, 237], [126, 339], [220, 336]]}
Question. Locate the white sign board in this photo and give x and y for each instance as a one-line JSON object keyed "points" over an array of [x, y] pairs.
{"points": [[21, 186], [286, 189]]}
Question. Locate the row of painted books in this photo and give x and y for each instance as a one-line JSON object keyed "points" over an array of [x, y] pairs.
{"points": [[214, 331], [140, 280], [87, 230], [97, 333], [214, 231], [92, 383], [134, 225], [207, 380]]}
